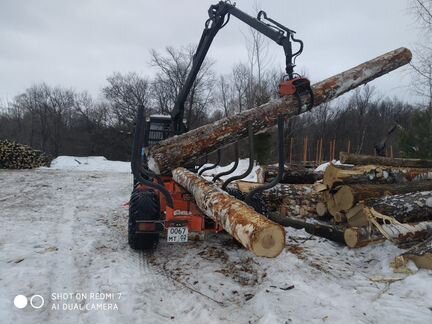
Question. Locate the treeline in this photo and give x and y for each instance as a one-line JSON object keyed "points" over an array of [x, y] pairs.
{"points": [[62, 121]]}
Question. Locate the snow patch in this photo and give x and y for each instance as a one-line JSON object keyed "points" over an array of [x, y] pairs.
{"points": [[323, 167], [91, 163]]}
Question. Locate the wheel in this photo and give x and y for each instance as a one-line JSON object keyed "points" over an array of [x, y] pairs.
{"points": [[257, 202], [143, 205]]}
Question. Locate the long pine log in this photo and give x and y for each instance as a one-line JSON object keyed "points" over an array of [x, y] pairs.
{"points": [[177, 151]]}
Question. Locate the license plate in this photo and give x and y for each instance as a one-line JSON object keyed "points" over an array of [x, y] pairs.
{"points": [[177, 234]]}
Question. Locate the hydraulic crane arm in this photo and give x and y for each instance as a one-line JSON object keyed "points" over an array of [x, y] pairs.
{"points": [[219, 15]]}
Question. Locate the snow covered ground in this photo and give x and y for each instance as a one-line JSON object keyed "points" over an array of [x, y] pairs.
{"points": [[64, 237], [91, 163]]}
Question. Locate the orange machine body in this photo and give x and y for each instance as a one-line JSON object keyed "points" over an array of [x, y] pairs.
{"points": [[185, 211]]}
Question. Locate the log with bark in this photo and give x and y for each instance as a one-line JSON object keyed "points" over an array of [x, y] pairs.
{"points": [[335, 175], [292, 175], [288, 199], [254, 231], [177, 151], [420, 254], [357, 159], [356, 237], [347, 197], [405, 208], [332, 232]]}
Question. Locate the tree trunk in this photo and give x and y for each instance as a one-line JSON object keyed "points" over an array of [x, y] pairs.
{"points": [[348, 196], [421, 254], [331, 232], [291, 175], [380, 160], [288, 199], [405, 208], [356, 237], [370, 174], [177, 151], [252, 230]]}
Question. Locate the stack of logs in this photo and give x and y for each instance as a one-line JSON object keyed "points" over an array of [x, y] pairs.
{"points": [[294, 195], [18, 156], [377, 198], [366, 199]]}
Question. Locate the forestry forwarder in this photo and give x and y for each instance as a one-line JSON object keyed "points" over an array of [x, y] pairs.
{"points": [[157, 203]]}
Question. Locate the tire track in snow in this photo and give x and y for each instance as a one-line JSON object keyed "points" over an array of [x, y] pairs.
{"points": [[161, 299]]}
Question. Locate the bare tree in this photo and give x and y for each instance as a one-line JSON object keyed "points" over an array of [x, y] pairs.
{"points": [[360, 103], [422, 9], [226, 95], [173, 68], [126, 93], [422, 64], [241, 83]]}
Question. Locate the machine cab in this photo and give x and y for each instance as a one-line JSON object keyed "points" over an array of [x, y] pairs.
{"points": [[157, 128]]}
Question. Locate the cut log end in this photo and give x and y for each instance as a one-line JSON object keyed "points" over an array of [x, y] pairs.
{"points": [[344, 198], [421, 261], [321, 209], [421, 254], [269, 242], [352, 238]]}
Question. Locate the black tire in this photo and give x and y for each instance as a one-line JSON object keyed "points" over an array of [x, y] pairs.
{"points": [[143, 205], [257, 202]]}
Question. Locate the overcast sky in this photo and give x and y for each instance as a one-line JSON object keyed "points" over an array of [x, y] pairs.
{"points": [[78, 43]]}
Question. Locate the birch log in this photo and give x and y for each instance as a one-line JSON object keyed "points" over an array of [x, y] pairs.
{"points": [[342, 174], [358, 159], [348, 196], [405, 208], [177, 151], [255, 232], [356, 237]]}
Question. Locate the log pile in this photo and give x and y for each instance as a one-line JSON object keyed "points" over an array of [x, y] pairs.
{"points": [[389, 199], [19, 156]]}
